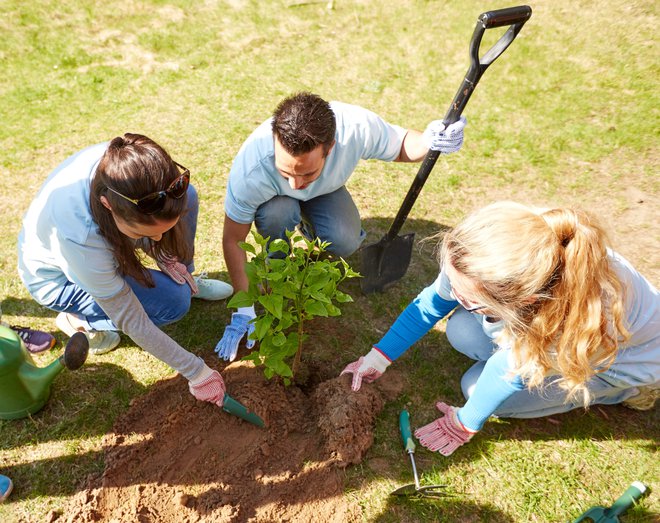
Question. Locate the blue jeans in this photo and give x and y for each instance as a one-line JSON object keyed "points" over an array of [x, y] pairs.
{"points": [[466, 335], [331, 217], [165, 303]]}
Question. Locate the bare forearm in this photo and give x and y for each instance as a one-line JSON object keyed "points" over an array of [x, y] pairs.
{"points": [[413, 148], [235, 260]]}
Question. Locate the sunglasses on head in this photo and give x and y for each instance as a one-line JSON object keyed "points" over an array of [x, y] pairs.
{"points": [[154, 202]]}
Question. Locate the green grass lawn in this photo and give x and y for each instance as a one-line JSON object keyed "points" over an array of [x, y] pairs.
{"points": [[568, 115]]}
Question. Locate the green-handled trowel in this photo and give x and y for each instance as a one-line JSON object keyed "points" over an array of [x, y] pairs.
{"points": [[232, 406]]}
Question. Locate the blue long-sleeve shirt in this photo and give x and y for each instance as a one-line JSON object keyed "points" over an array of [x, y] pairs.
{"points": [[637, 362]]}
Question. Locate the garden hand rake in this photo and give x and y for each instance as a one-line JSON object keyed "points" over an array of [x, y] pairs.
{"points": [[414, 489]]}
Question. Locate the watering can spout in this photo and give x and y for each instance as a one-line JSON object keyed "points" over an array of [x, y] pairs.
{"points": [[37, 380]]}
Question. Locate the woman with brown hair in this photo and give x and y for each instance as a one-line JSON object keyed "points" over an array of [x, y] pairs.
{"points": [[554, 318], [79, 252]]}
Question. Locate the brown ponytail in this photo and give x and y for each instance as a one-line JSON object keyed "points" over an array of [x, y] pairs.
{"points": [[136, 166]]}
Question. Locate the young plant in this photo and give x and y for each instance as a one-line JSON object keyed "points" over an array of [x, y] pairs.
{"points": [[291, 289]]}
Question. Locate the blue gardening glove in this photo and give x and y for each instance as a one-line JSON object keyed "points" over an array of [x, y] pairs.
{"points": [[446, 140], [240, 325]]}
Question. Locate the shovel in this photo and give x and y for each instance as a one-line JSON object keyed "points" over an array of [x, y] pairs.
{"points": [[386, 261], [232, 406], [414, 489], [611, 515]]}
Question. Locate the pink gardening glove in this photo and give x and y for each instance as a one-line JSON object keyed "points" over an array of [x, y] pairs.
{"points": [[367, 368], [209, 386], [178, 272], [445, 434]]}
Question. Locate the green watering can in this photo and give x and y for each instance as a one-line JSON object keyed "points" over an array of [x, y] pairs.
{"points": [[611, 515], [24, 387]]}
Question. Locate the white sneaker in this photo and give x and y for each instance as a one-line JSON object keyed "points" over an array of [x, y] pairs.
{"points": [[212, 290], [646, 398], [100, 342]]}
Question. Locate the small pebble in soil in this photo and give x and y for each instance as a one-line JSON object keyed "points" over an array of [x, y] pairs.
{"points": [[180, 498]]}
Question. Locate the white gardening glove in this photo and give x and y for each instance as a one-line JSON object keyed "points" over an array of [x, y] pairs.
{"points": [[208, 385], [178, 272], [367, 368], [445, 434], [446, 140]]}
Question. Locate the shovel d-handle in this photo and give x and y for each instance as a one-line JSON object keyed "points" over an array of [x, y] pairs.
{"points": [[515, 17]]}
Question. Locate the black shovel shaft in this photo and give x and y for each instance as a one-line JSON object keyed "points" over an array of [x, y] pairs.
{"points": [[515, 17]]}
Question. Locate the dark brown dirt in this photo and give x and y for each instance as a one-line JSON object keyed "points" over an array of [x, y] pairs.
{"points": [[174, 459]]}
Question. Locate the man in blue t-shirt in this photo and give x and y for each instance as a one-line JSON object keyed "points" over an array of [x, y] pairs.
{"points": [[292, 171]]}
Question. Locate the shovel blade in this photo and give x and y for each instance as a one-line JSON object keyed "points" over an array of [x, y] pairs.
{"points": [[385, 262], [232, 406]]}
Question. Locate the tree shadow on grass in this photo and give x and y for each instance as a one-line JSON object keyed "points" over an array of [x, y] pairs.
{"points": [[453, 508]]}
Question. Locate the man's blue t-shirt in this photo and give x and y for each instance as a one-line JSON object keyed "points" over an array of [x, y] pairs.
{"points": [[254, 179]]}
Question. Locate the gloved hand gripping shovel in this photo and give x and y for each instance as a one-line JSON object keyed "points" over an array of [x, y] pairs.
{"points": [[386, 261], [429, 491]]}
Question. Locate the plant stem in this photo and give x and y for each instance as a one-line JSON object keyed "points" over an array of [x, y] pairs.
{"points": [[300, 306], [296, 360]]}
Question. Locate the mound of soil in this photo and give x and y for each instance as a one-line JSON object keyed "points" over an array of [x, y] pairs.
{"points": [[171, 458]]}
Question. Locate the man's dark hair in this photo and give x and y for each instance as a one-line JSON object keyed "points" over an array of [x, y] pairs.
{"points": [[302, 122]]}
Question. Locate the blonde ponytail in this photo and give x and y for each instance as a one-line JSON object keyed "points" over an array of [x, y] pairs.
{"points": [[547, 275]]}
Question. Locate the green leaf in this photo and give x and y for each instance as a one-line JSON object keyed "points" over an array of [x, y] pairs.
{"points": [[255, 357], [240, 299], [316, 308], [272, 303], [279, 245], [333, 310], [320, 296], [279, 339], [262, 325], [247, 247], [281, 368], [342, 297]]}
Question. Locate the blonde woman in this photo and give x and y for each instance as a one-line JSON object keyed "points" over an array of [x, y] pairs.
{"points": [[554, 318]]}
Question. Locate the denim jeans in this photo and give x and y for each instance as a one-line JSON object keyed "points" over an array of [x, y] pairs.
{"points": [[466, 335], [165, 303], [331, 217]]}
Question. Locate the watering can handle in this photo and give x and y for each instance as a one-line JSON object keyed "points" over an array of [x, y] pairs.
{"points": [[635, 491], [406, 433]]}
